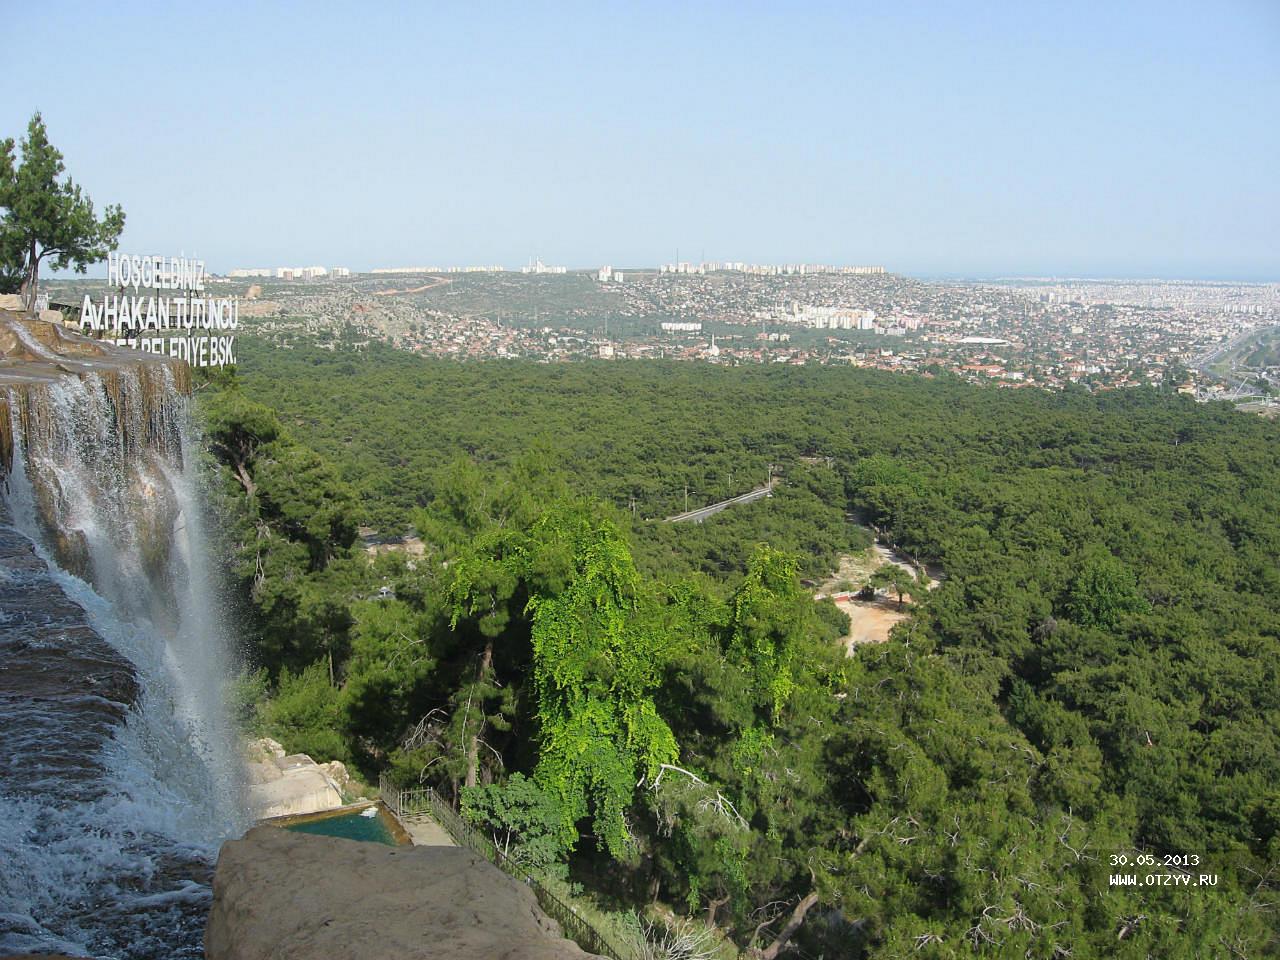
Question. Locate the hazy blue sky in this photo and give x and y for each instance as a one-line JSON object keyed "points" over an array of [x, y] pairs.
{"points": [[1109, 138]]}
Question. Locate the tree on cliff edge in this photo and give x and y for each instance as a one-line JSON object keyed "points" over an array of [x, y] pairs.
{"points": [[43, 220]]}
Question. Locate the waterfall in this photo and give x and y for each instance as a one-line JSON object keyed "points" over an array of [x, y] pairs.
{"points": [[110, 854]]}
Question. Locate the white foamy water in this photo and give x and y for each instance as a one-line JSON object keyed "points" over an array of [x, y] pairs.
{"points": [[114, 859]]}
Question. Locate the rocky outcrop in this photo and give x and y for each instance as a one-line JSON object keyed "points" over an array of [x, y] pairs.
{"points": [[283, 785], [290, 896]]}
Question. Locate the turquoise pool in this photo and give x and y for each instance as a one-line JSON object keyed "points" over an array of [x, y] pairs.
{"points": [[352, 826]]}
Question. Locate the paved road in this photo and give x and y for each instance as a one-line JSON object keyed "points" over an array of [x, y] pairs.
{"points": [[1204, 363], [697, 516]]}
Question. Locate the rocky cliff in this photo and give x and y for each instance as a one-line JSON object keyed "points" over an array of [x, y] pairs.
{"points": [[36, 351], [52, 378], [289, 896]]}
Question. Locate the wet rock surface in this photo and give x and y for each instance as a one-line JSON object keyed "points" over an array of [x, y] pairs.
{"points": [[36, 354], [63, 689], [39, 346], [290, 896], [64, 695]]}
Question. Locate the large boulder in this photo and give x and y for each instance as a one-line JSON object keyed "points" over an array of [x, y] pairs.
{"points": [[286, 786], [295, 896]]}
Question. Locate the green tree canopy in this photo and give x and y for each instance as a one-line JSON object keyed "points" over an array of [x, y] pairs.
{"points": [[1096, 673], [900, 581], [599, 647], [1104, 591]]}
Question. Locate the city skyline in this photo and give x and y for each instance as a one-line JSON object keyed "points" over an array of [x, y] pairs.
{"points": [[280, 269], [1089, 142]]}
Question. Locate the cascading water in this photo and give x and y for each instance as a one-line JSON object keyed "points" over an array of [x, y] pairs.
{"points": [[119, 794]]}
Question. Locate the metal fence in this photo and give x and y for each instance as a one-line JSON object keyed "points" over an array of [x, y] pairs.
{"points": [[417, 801]]}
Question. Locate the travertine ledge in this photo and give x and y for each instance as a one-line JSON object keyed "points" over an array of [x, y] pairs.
{"points": [[36, 352]]}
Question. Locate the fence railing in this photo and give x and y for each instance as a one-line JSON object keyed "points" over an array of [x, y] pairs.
{"points": [[416, 801]]}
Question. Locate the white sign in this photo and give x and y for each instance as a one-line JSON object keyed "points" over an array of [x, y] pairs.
{"points": [[185, 324]]}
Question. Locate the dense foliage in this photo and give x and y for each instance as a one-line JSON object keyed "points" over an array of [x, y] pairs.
{"points": [[667, 711]]}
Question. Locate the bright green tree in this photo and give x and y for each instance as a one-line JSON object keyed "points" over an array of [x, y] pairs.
{"points": [[47, 219], [599, 648], [236, 429], [479, 526], [305, 714]]}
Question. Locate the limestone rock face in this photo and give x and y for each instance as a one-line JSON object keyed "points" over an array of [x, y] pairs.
{"points": [[336, 771], [292, 896], [284, 786]]}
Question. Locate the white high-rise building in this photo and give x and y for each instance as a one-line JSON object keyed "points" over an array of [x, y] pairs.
{"points": [[832, 318], [538, 267]]}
